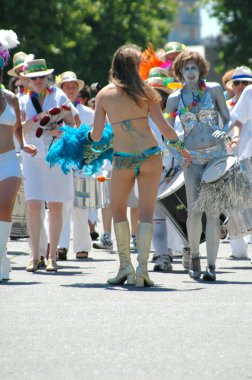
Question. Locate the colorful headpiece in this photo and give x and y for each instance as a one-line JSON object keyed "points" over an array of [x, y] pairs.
{"points": [[35, 68], [159, 78], [8, 40]]}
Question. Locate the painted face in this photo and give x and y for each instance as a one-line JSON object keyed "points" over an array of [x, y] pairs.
{"points": [[190, 72]]}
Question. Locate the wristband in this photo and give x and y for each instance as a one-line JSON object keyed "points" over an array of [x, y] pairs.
{"points": [[178, 144]]}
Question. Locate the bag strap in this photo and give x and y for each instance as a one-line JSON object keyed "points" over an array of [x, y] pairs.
{"points": [[36, 105]]}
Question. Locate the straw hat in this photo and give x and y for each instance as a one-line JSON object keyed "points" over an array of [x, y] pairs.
{"points": [[171, 48], [18, 62], [242, 73], [69, 76], [159, 78], [35, 68]]}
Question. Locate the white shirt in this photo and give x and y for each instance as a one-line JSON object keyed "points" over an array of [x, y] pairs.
{"points": [[86, 114], [242, 112]]}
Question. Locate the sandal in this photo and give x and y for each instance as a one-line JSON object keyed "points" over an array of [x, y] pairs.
{"points": [[82, 255]]}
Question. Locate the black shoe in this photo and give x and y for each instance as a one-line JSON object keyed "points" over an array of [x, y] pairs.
{"points": [[94, 235], [61, 254], [210, 274], [194, 268], [42, 263]]}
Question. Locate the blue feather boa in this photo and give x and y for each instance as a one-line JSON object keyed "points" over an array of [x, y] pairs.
{"points": [[75, 149]]}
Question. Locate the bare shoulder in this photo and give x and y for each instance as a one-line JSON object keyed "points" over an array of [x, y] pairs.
{"points": [[214, 87], [173, 100], [107, 90], [10, 97]]}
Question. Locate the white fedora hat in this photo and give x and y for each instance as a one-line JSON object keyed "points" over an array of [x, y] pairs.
{"points": [[241, 73]]}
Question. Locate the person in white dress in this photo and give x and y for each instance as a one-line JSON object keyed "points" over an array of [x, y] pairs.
{"points": [[42, 183], [82, 243]]}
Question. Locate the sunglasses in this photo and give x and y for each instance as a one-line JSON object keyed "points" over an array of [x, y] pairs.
{"points": [[41, 77], [237, 82]]}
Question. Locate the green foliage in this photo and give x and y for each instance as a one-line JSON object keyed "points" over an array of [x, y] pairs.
{"points": [[82, 35], [234, 46]]}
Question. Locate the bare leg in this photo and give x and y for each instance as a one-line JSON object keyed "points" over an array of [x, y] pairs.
{"points": [[8, 192], [134, 220], [34, 224], [148, 182], [106, 219], [55, 226]]}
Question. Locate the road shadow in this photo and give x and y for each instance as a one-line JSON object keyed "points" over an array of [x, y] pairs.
{"points": [[18, 283], [153, 289], [219, 282], [18, 253]]}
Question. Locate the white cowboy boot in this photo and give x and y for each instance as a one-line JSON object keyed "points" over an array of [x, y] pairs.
{"points": [[5, 228], [126, 270], [144, 237]]}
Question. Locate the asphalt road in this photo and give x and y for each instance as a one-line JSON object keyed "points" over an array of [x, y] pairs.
{"points": [[72, 325]]}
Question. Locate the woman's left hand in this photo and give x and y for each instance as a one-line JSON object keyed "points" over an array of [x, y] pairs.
{"points": [[30, 149], [218, 134]]}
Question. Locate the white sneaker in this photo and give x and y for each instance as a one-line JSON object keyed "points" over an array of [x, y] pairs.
{"points": [[163, 264], [186, 257], [133, 242], [237, 256], [105, 242]]}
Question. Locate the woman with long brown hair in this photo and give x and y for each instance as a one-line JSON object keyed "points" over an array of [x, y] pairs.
{"points": [[127, 101]]}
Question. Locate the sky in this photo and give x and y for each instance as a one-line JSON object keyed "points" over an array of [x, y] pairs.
{"points": [[209, 25]]}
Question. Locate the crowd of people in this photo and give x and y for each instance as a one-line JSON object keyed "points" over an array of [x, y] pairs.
{"points": [[166, 119]]}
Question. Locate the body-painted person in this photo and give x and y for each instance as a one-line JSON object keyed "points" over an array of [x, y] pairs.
{"points": [[199, 105], [128, 101]]}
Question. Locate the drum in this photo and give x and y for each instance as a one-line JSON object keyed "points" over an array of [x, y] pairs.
{"points": [[90, 193], [19, 227], [221, 168], [172, 201], [240, 223]]}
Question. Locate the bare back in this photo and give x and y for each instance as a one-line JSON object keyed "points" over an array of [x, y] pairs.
{"points": [[129, 120]]}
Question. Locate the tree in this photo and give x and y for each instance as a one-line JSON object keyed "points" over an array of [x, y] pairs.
{"points": [[234, 45], [82, 35]]}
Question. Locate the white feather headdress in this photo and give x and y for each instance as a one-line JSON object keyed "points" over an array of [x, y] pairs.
{"points": [[8, 40]]}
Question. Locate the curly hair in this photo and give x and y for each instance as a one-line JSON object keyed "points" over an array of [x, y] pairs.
{"points": [[124, 74], [187, 56]]}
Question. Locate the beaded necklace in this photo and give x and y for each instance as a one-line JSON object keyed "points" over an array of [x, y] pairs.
{"points": [[47, 90], [196, 100], [231, 103]]}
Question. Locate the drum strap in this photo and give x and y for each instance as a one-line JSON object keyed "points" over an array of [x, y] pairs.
{"points": [[36, 105]]}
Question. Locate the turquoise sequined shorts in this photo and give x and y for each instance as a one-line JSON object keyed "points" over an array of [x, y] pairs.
{"points": [[134, 160]]}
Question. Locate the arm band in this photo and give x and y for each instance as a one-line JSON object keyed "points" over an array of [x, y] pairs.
{"points": [[178, 144]]}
